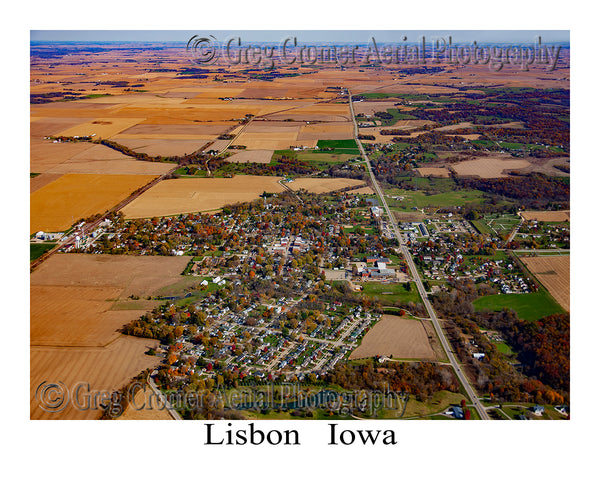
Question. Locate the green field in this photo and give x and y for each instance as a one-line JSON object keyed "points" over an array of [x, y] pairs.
{"points": [[36, 250], [421, 199], [497, 224], [338, 147], [504, 348], [529, 306], [391, 292]]}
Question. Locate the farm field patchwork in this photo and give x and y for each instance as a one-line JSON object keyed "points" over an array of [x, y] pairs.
{"points": [[56, 206]]}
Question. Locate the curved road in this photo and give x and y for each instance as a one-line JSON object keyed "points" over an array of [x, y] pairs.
{"points": [[413, 270]]}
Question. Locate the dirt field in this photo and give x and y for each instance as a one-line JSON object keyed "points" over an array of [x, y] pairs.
{"points": [[556, 216], [186, 195], [324, 185], [554, 273], [489, 167], [165, 131], [103, 369], [161, 146], [73, 295], [280, 140], [363, 191], [56, 206], [434, 172], [45, 155], [251, 156], [326, 131], [396, 337]]}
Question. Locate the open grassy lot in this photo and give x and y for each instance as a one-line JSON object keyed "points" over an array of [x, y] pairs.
{"points": [[421, 199], [391, 292], [529, 306], [36, 250], [347, 146], [497, 224]]}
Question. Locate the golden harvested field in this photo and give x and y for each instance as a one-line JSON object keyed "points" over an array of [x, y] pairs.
{"points": [[187, 195], [556, 216], [555, 274], [251, 156], [324, 185], [43, 127], [104, 369], [56, 206], [489, 167], [434, 172], [396, 337], [102, 127]]}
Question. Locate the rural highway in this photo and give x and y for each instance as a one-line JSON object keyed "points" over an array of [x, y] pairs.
{"points": [[415, 274]]}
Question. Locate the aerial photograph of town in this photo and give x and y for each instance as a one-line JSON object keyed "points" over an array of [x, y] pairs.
{"points": [[269, 225]]}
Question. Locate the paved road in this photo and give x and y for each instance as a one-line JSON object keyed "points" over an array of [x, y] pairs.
{"points": [[514, 232], [160, 395], [413, 270]]}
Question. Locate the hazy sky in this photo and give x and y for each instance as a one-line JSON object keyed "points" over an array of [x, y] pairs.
{"points": [[305, 36]]}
